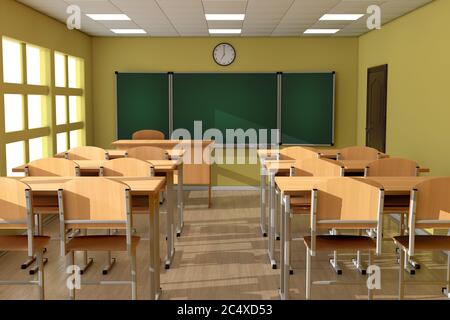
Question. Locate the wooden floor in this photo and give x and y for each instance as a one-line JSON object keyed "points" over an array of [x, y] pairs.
{"points": [[221, 255]]}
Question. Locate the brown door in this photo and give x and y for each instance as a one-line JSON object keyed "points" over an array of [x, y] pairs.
{"points": [[376, 107]]}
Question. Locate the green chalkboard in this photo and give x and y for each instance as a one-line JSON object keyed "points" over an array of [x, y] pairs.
{"points": [[225, 101], [307, 112], [142, 103]]}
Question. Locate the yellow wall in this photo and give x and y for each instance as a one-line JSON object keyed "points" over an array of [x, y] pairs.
{"points": [[25, 24], [253, 54], [417, 49]]}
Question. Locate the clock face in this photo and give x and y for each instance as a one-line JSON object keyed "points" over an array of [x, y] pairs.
{"points": [[224, 54]]}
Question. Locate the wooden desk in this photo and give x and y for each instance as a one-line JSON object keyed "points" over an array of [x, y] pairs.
{"points": [[358, 166], [145, 186], [193, 173], [117, 154], [289, 186], [169, 167], [324, 153]]}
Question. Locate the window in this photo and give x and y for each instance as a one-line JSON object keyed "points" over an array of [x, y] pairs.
{"points": [[13, 112], [15, 156], [41, 117], [12, 61], [60, 70], [34, 65]]}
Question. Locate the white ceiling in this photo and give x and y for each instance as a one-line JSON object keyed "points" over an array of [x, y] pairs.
{"points": [[187, 17]]}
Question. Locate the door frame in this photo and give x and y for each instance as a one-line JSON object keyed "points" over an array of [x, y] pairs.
{"points": [[383, 68]]}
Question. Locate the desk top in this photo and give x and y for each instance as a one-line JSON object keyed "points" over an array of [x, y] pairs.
{"points": [[136, 184], [391, 185], [121, 144], [114, 154], [324, 153], [360, 165], [94, 165], [279, 165]]}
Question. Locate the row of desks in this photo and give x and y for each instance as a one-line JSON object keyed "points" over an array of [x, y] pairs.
{"points": [[139, 186], [116, 154]]}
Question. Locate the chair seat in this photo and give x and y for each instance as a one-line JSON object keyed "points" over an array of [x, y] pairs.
{"points": [[101, 243], [341, 242], [425, 242], [20, 243]]}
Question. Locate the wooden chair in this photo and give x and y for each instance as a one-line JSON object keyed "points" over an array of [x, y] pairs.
{"points": [[148, 135], [358, 153], [430, 208], [344, 203], [395, 167], [129, 167], [392, 167], [87, 153], [302, 204], [297, 153], [16, 202], [147, 153], [97, 203], [43, 204]]}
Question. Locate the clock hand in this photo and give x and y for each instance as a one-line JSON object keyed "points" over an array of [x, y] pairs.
{"points": [[223, 56]]}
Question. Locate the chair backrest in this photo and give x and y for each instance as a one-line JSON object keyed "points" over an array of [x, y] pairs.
{"points": [[16, 208], [52, 167], [147, 153], [298, 153], [129, 167], [392, 167], [430, 207], [319, 168], [87, 153], [347, 203], [148, 135], [94, 202], [358, 153]]}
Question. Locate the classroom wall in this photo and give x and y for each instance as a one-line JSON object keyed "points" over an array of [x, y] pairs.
{"points": [[253, 54], [23, 23], [417, 49]]}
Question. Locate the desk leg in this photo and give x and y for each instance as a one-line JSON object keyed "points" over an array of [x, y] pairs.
{"points": [[152, 235], [272, 220], [287, 247], [282, 244], [180, 200], [155, 247], [263, 199], [169, 222]]}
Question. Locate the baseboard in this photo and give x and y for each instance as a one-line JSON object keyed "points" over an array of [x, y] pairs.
{"points": [[222, 188]]}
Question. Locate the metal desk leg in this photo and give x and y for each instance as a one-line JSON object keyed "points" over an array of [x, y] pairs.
{"points": [[277, 215], [282, 244], [152, 235], [169, 221], [334, 261], [180, 200], [272, 220], [287, 247], [446, 289], [263, 199], [156, 255]]}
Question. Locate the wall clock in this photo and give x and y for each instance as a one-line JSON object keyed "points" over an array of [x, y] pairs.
{"points": [[224, 54]]}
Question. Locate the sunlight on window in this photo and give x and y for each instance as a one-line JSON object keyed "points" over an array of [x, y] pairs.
{"points": [[33, 65], [36, 147], [13, 112], [60, 70], [75, 139], [12, 61], [61, 110], [74, 109], [73, 72], [35, 107], [61, 142], [15, 156]]}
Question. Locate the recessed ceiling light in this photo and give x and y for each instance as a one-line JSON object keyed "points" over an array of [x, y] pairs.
{"points": [[225, 31], [128, 31], [341, 17], [321, 31], [108, 17], [225, 17]]}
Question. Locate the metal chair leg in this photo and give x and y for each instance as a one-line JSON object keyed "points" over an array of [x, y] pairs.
{"points": [[401, 286], [72, 262], [110, 260], [133, 278], [308, 274], [41, 275], [370, 293]]}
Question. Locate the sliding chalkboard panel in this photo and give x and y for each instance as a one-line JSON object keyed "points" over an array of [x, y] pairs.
{"points": [[307, 112], [225, 101], [142, 103]]}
